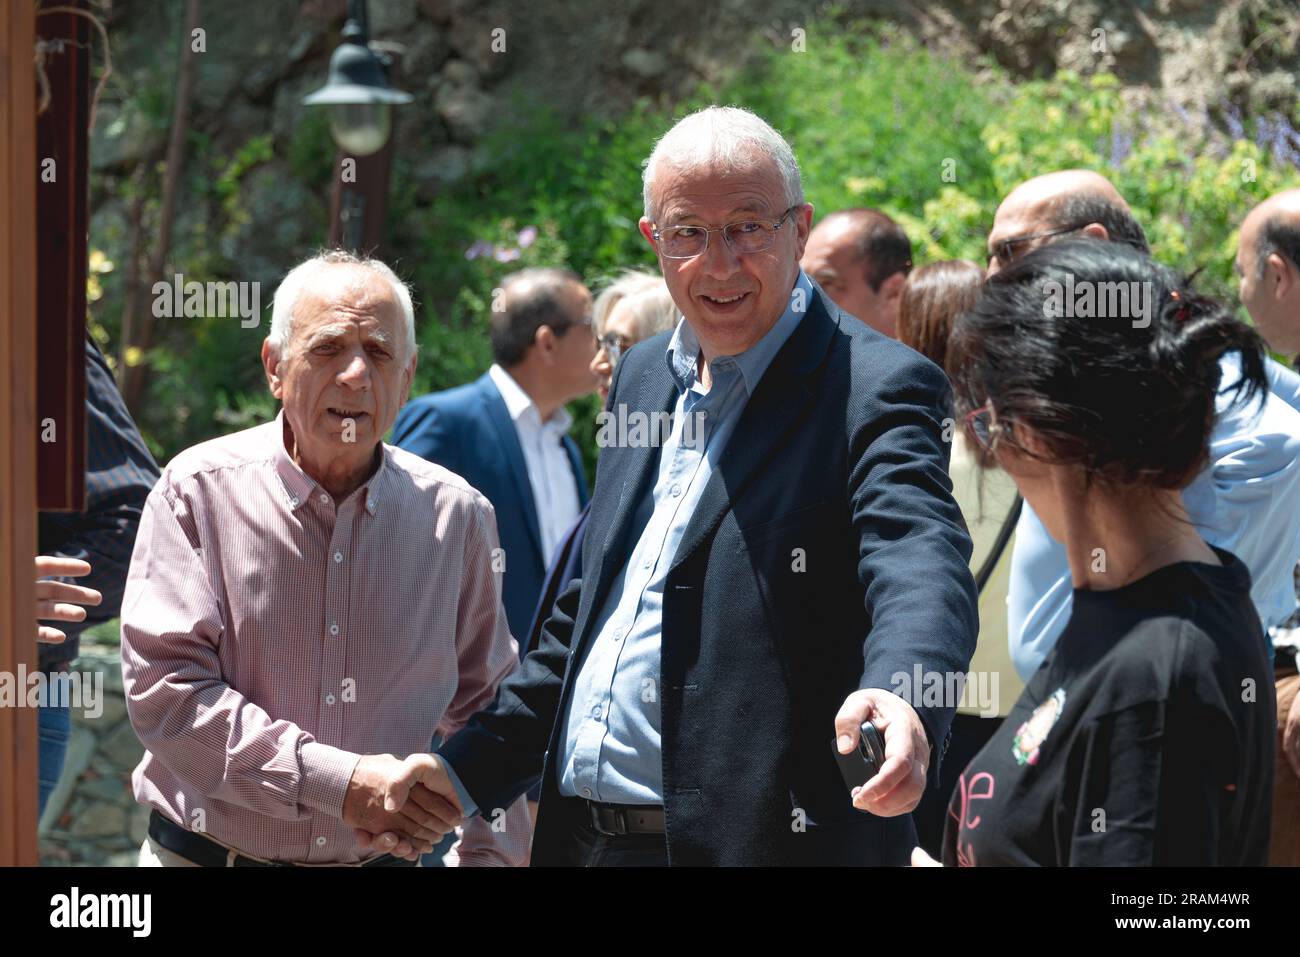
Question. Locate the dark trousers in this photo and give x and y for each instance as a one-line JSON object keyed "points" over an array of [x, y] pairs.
{"points": [[586, 847]]}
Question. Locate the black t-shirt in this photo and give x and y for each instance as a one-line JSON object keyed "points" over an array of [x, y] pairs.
{"points": [[1146, 737]]}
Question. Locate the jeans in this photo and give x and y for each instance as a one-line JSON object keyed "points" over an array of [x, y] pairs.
{"points": [[54, 727]]}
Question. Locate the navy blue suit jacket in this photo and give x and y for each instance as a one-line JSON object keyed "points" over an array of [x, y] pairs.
{"points": [[469, 431], [826, 555]]}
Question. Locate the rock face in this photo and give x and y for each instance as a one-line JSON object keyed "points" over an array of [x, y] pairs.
{"points": [[475, 61], [1187, 52]]}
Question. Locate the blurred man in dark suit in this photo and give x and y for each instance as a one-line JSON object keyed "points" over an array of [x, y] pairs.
{"points": [[507, 432]]}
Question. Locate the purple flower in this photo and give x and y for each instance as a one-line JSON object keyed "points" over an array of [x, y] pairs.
{"points": [[505, 254], [480, 248], [1232, 119], [527, 236], [1121, 145]]}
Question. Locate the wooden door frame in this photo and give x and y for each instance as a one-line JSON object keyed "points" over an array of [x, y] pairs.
{"points": [[18, 742]]}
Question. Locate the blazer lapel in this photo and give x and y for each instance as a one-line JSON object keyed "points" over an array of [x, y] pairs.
{"points": [[514, 453], [776, 407], [655, 393]]}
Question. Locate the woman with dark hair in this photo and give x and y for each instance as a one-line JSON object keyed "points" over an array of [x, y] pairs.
{"points": [[1088, 373]]}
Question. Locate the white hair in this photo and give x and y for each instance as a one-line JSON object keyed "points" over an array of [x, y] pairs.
{"points": [[300, 277], [725, 137], [646, 296]]}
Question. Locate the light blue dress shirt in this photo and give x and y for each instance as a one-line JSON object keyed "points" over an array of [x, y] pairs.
{"points": [[611, 735], [1247, 502]]}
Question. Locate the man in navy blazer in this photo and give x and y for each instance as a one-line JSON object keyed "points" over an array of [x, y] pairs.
{"points": [[758, 580], [505, 433]]}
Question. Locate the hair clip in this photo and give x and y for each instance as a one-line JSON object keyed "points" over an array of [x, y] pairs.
{"points": [[1182, 312]]}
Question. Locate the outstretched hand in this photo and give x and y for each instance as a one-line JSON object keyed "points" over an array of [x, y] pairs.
{"points": [[898, 786]]}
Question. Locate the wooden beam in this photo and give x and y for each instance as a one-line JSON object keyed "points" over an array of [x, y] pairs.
{"points": [[18, 176], [62, 194]]}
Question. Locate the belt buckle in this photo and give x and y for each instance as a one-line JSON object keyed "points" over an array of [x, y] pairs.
{"points": [[617, 826]]}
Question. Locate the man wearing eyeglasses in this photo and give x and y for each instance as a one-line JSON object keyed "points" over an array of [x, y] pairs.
{"points": [[751, 596], [1070, 202]]}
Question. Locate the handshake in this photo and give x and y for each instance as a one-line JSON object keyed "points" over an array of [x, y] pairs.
{"points": [[401, 807]]}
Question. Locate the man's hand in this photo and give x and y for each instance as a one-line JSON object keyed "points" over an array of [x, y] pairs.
{"points": [[900, 782], [1291, 736], [399, 806], [58, 601]]}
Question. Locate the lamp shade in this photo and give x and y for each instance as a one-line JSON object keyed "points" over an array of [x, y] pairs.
{"points": [[359, 97]]}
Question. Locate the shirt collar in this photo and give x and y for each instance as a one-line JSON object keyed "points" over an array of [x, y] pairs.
{"points": [[299, 486], [519, 404], [684, 348]]}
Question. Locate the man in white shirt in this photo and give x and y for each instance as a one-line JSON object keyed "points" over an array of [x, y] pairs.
{"points": [[506, 432]]}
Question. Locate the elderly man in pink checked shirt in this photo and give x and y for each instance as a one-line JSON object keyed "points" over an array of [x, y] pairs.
{"points": [[305, 602]]}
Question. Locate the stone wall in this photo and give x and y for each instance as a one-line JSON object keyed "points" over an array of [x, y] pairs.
{"points": [[91, 818]]}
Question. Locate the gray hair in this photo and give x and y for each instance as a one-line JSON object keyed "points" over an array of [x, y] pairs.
{"points": [[727, 137], [646, 295], [300, 277]]}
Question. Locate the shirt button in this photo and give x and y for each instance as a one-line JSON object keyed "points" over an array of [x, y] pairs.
{"points": [[618, 634], [595, 712], [293, 500], [675, 490], [320, 842], [334, 628], [370, 504], [324, 499], [647, 563], [586, 792], [329, 698], [338, 557]]}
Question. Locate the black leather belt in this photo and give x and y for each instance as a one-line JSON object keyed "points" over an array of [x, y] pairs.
{"points": [[207, 853], [616, 820]]}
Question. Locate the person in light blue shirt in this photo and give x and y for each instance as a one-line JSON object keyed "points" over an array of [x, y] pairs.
{"points": [[1247, 500]]}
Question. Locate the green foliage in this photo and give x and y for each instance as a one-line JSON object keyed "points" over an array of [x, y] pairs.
{"points": [[875, 118], [1190, 186]]}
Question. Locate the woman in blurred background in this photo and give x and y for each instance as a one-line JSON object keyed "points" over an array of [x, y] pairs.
{"points": [[1137, 741], [635, 306]]}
